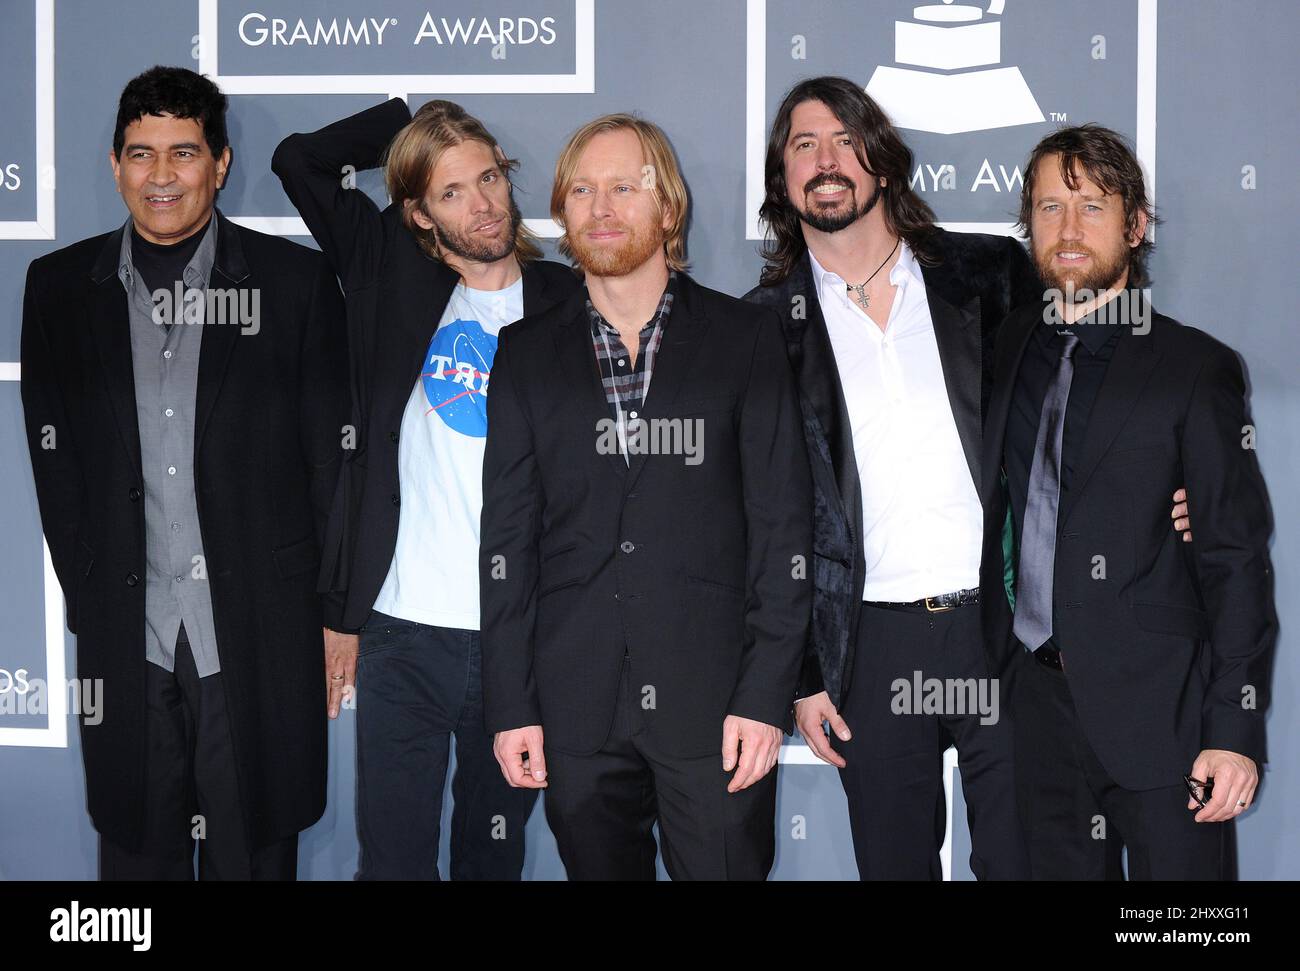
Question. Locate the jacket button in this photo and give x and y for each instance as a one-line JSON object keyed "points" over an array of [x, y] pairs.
{"points": [[132, 580], [392, 437], [397, 500], [618, 596], [133, 494], [626, 547]]}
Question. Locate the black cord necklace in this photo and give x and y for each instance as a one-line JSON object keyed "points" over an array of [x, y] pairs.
{"points": [[860, 288]]}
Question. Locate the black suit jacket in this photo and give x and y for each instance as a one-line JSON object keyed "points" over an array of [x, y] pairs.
{"points": [[395, 297], [268, 412], [699, 570], [1169, 654], [971, 284]]}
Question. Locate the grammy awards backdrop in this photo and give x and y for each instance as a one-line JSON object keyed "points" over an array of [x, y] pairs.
{"points": [[1205, 90]]}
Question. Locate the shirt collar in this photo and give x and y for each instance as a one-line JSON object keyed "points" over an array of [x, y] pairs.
{"points": [[197, 270], [125, 269], [663, 310], [1094, 330], [907, 268]]}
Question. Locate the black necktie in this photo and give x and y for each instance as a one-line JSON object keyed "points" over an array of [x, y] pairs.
{"points": [[1033, 621]]}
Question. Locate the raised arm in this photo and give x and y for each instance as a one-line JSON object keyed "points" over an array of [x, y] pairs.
{"points": [[318, 171]]}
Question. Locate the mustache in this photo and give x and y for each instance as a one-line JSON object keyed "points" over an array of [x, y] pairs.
{"points": [[490, 219], [603, 227], [826, 178]]}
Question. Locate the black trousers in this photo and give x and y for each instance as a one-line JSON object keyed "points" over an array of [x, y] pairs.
{"points": [[1078, 819], [894, 773], [602, 809], [417, 687], [193, 790]]}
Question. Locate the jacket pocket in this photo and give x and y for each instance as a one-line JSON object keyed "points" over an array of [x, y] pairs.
{"points": [[1171, 619], [705, 403], [1154, 453], [85, 560], [296, 558], [713, 586], [549, 554], [550, 588]]}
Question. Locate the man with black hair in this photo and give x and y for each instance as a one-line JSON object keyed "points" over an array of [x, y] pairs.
{"points": [[184, 475]]}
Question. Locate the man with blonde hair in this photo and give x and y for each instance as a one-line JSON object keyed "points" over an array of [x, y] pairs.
{"points": [[647, 523], [430, 281]]}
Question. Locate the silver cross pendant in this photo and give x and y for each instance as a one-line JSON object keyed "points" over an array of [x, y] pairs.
{"points": [[861, 291]]}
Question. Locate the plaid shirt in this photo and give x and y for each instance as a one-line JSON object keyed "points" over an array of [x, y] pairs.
{"points": [[626, 386]]}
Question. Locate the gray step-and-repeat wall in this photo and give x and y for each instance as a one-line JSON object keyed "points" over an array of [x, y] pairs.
{"points": [[1206, 89]]}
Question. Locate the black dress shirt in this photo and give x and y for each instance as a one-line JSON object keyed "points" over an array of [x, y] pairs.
{"points": [[1098, 336]]}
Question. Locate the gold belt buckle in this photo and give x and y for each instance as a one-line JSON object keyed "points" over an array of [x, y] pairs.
{"points": [[934, 610]]}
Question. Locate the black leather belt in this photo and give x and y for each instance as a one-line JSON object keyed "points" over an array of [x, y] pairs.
{"points": [[934, 605], [1049, 657]]}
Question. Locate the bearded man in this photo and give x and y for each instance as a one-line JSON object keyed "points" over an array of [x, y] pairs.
{"points": [[1140, 663], [647, 522], [430, 281]]}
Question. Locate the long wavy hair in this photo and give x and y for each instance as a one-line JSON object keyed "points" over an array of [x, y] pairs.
{"points": [[412, 155], [875, 139]]}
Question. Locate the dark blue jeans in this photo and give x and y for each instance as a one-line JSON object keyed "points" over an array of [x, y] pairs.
{"points": [[417, 687]]}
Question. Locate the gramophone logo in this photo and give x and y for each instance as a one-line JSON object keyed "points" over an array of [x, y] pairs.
{"points": [[952, 82]]}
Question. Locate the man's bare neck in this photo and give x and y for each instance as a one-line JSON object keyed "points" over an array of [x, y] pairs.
{"points": [[1071, 311], [496, 275], [856, 251], [630, 300]]}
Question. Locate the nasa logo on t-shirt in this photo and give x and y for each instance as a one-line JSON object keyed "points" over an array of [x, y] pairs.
{"points": [[455, 376]]}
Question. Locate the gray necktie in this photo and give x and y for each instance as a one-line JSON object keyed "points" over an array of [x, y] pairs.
{"points": [[1033, 622]]}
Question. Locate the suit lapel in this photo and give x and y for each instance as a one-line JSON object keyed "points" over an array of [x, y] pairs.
{"points": [[686, 325], [1017, 330], [110, 324], [219, 338], [535, 290], [813, 360], [577, 357], [417, 307], [957, 332], [1127, 374]]}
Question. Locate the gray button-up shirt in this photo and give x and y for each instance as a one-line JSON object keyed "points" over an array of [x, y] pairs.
{"points": [[166, 366]]}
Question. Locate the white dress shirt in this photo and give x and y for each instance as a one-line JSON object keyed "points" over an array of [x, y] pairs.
{"points": [[921, 516]]}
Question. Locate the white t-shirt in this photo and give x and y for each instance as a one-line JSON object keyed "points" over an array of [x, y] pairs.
{"points": [[433, 578]]}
